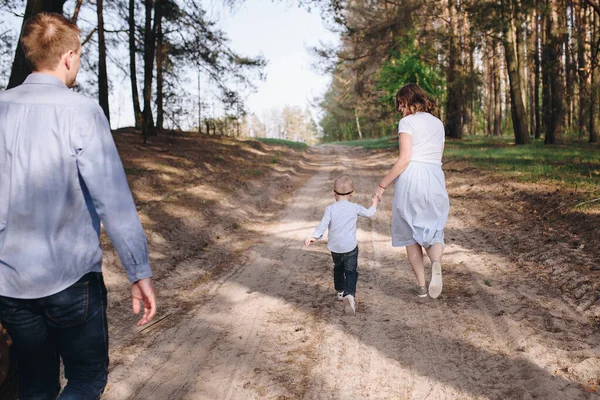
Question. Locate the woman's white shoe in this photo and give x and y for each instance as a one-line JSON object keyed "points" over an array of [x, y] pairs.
{"points": [[435, 286]]}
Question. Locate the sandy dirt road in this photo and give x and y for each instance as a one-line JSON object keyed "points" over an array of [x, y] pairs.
{"points": [[270, 327]]}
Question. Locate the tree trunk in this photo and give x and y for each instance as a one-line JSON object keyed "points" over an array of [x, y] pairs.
{"points": [[582, 67], [488, 88], [595, 5], [102, 73], [466, 56], [160, 57], [507, 123], [470, 92], [137, 112], [546, 76], [554, 36], [594, 109], [537, 76], [357, 123], [149, 46], [454, 99], [199, 104], [21, 67], [532, 75], [595, 81], [497, 92], [521, 60], [519, 117], [569, 70]]}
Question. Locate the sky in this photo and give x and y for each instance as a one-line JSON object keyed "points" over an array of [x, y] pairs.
{"points": [[283, 34], [280, 31]]}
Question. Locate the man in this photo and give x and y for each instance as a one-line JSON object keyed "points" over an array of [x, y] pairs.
{"points": [[60, 175]]}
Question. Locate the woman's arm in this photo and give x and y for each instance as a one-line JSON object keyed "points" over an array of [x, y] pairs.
{"points": [[405, 150]]}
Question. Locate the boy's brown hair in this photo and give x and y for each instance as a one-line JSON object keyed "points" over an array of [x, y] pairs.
{"points": [[343, 185], [415, 99], [46, 37]]}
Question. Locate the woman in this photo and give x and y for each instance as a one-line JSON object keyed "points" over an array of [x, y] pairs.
{"points": [[420, 207]]}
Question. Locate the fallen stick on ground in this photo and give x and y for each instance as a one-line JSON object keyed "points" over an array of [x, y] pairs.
{"points": [[576, 205]]}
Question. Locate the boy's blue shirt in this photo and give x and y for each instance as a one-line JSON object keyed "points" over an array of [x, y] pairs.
{"points": [[340, 218]]}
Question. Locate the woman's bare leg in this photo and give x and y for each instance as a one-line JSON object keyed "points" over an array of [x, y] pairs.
{"points": [[415, 257], [435, 255], [435, 252]]}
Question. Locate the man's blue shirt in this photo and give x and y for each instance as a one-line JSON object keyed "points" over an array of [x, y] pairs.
{"points": [[60, 175]]}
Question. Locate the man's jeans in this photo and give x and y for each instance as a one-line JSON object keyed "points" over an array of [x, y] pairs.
{"points": [[70, 325], [345, 271]]}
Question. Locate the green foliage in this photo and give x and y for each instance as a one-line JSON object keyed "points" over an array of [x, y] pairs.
{"points": [[337, 128], [372, 104], [282, 142], [408, 65]]}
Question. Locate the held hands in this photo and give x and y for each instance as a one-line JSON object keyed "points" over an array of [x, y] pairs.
{"points": [[142, 291], [378, 193], [309, 240], [376, 200]]}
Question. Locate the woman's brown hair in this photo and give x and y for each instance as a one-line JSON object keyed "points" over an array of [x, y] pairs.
{"points": [[415, 99], [46, 37]]}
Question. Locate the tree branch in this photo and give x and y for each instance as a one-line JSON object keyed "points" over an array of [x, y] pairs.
{"points": [[575, 206], [89, 36], [77, 9]]}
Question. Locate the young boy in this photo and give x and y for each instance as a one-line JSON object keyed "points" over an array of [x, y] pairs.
{"points": [[340, 217]]}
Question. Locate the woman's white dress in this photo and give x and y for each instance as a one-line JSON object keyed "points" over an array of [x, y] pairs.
{"points": [[420, 208]]}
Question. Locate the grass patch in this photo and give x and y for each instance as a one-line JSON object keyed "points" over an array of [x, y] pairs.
{"points": [[282, 142], [575, 165], [386, 142]]}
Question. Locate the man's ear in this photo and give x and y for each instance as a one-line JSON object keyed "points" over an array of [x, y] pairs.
{"points": [[69, 58]]}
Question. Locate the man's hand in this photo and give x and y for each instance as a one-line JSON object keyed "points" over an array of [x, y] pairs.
{"points": [[142, 290], [309, 240], [5, 344]]}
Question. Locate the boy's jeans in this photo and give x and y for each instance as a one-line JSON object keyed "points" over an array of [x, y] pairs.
{"points": [[70, 325], [345, 271]]}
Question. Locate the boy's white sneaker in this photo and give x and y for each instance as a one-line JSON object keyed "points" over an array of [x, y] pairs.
{"points": [[350, 305], [435, 286], [340, 295]]}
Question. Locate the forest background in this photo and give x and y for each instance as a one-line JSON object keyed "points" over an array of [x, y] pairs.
{"points": [[524, 68]]}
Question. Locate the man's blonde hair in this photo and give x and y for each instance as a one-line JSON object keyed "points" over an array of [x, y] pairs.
{"points": [[46, 37], [343, 185]]}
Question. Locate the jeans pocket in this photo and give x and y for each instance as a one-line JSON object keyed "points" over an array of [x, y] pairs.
{"points": [[69, 307], [7, 308]]}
